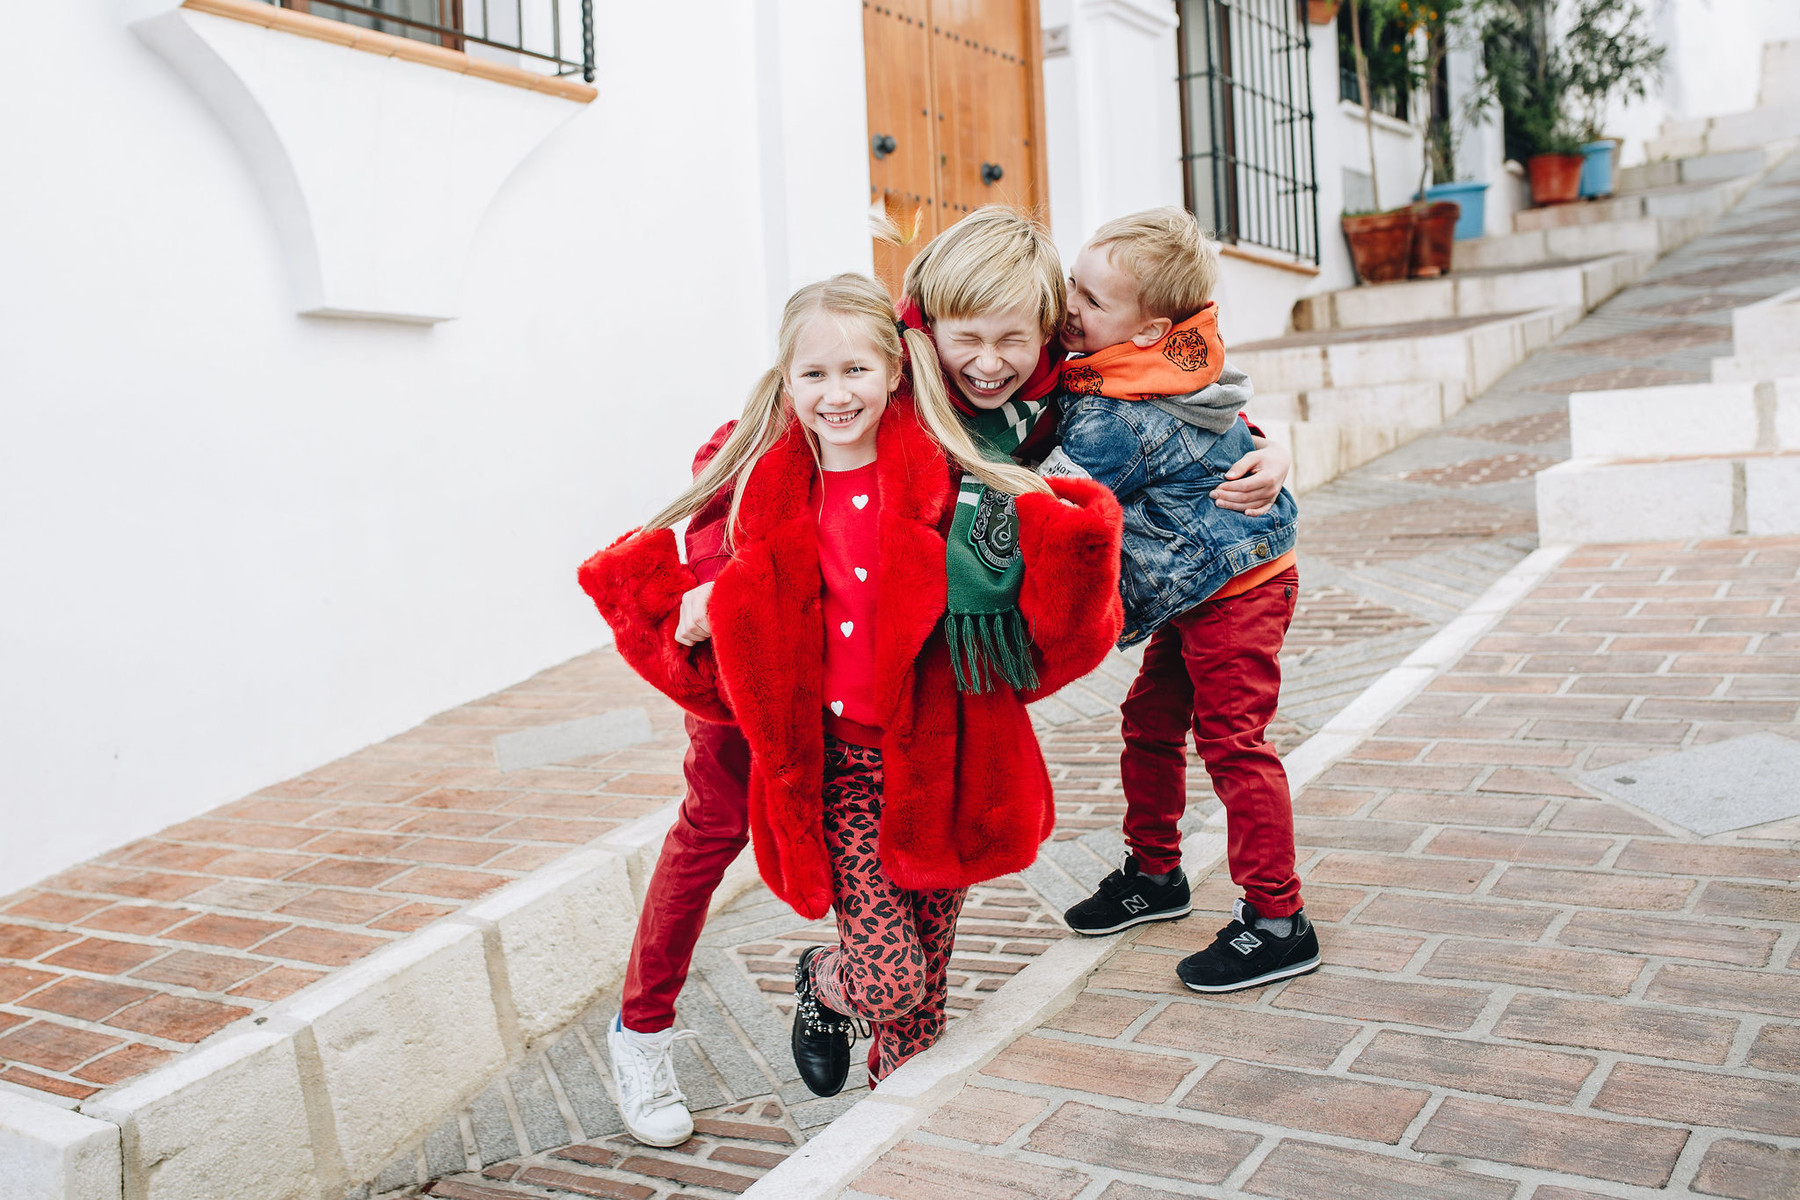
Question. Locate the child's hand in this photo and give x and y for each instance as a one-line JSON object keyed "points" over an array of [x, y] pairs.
{"points": [[695, 626], [1255, 480]]}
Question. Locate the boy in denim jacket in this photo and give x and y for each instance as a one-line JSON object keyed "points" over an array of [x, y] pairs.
{"points": [[1153, 412]]}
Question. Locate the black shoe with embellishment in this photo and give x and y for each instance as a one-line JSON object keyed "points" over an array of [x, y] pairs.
{"points": [[1128, 897], [1251, 951], [821, 1037]]}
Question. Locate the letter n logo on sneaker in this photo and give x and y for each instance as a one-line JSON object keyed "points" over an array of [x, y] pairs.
{"points": [[1245, 942], [1135, 904]]}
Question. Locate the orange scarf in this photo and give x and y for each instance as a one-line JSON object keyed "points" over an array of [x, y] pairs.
{"points": [[1187, 358]]}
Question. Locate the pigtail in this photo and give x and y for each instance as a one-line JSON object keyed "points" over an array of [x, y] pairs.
{"points": [[932, 401], [765, 419]]}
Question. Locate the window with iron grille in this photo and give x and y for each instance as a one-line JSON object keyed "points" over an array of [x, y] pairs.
{"points": [[1247, 123], [540, 30]]}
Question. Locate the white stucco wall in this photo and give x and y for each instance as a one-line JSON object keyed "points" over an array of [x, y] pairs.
{"points": [[240, 542]]}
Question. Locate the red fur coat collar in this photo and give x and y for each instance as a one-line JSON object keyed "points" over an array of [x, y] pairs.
{"points": [[966, 794]]}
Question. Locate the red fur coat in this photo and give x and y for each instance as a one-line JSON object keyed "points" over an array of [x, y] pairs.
{"points": [[966, 794]]}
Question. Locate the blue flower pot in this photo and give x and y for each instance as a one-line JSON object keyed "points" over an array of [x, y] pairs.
{"points": [[1471, 196], [1596, 168]]}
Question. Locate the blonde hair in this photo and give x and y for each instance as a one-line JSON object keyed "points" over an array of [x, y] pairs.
{"points": [[861, 308], [1175, 264], [991, 260]]}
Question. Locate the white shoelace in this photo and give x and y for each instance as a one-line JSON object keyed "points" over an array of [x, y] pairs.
{"points": [[651, 1073]]}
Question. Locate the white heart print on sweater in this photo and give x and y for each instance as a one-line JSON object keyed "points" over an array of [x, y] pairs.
{"points": [[862, 576], [845, 627], [859, 501], [837, 708]]}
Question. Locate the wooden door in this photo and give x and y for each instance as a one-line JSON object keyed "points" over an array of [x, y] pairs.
{"points": [[955, 93]]}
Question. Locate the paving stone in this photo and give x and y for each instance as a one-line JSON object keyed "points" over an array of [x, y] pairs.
{"points": [[566, 740], [1702, 1098], [494, 1136], [986, 1115], [1634, 933], [543, 1120], [582, 1086], [1726, 989], [402, 1172], [1628, 1029], [1553, 1141], [444, 1152], [1104, 1070], [1161, 1146], [1258, 1036], [1777, 1048], [1710, 789], [1534, 966], [1400, 1001], [1297, 1170], [1313, 1103], [1514, 1072], [1748, 1170], [915, 1171]]}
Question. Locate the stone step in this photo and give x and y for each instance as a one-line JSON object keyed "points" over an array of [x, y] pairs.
{"points": [[1748, 130], [1587, 500], [1471, 351], [1708, 198], [1421, 404], [1482, 292], [1654, 236], [1765, 339], [1685, 419], [1701, 167], [1323, 451]]}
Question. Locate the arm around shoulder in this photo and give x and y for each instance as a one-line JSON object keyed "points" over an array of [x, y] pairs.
{"points": [[1070, 594], [637, 584]]}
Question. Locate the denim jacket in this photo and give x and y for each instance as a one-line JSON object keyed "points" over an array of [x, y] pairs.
{"points": [[1179, 546]]}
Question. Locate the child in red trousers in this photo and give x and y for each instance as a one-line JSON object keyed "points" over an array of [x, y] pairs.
{"points": [[1151, 410], [891, 602]]}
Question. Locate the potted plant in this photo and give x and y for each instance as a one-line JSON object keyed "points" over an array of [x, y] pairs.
{"points": [[1529, 78], [1380, 240], [1608, 56], [1321, 12], [1438, 220]]}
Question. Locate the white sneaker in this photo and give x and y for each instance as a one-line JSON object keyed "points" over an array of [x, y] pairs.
{"points": [[643, 1070]]}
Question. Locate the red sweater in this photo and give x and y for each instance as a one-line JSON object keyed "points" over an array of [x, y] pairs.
{"points": [[849, 562]]}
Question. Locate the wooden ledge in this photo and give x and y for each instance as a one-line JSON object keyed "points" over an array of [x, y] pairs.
{"points": [[388, 46], [1262, 258]]}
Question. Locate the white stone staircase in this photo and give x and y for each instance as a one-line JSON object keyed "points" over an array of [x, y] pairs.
{"points": [[1688, 460]]}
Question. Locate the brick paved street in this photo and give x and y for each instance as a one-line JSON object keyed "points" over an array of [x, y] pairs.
{"points": [[1497, 930], [1532, 989]]}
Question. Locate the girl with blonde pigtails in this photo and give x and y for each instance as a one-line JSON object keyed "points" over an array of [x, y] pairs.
{"points": [[880, 684]]}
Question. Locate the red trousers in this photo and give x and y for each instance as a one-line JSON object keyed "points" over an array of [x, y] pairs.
{"points": [[1214, 669], [711, 828], [892, 961]]}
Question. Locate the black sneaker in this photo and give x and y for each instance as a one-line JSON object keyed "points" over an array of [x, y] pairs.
{"points": [[821, 1037], [1125, 898], [1246, 954]]}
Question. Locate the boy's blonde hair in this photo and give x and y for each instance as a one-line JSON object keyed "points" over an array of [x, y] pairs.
{"points": [[991, 260], [1175, 264], [860, 307]]}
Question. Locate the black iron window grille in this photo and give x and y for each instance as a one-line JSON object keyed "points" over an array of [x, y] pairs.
{"points": [[1247, 123], [533, 28]]}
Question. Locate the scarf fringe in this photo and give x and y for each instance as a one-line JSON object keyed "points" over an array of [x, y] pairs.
{"points": [[989, 648]]}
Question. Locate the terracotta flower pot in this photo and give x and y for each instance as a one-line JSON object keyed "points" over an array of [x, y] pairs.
{"points": [[1380, 244], [1555, 178], [1321, 12], [1434, 230]]}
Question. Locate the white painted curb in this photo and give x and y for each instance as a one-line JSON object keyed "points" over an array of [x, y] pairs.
{"points": [[826, 1166]]}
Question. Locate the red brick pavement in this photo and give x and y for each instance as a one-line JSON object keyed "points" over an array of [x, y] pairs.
{"points": [[113, 967], [1532, 991]]}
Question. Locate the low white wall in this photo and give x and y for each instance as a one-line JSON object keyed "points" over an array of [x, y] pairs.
{"points": [[241, 541]]}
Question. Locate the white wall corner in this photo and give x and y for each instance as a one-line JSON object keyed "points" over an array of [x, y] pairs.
{"points": [[49, 1153], [376, 171]]}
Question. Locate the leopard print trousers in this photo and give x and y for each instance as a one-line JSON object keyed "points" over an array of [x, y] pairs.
{"points": [[892, 959]]}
